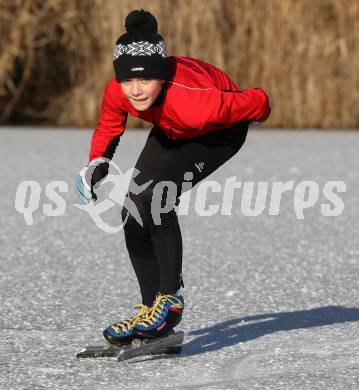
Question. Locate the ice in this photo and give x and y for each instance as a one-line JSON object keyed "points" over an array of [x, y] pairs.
{"points": [[271, 301]]}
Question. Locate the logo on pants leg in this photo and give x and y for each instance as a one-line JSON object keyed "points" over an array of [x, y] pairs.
{"points": [[199, 166]]}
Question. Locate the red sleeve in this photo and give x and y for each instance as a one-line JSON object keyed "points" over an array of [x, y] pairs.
{"points": [[111, 123], [251, 104]]}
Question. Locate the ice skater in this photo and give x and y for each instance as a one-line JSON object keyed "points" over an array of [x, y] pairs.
{"points": [[200, 120]]}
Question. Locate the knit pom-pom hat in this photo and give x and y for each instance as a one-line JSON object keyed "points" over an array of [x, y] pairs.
{"points": [[141, 51]]}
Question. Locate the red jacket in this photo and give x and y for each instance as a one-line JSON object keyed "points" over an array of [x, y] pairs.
{"points": [[199, 98]]}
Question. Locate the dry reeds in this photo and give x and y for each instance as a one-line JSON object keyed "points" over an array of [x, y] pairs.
{"points": [[55, 55]]}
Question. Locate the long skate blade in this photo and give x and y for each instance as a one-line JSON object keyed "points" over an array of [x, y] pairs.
{"points": [[159, 345], [98, 351], [168, 351]]}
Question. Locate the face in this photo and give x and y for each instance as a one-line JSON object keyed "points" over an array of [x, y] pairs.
{"points": [[141, 92]]}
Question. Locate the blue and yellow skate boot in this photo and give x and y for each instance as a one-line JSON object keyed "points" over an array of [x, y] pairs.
{"points": [[162, 317], [121, 333]]}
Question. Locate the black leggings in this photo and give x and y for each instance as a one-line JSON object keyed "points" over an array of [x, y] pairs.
{"points": [[155, 247]]}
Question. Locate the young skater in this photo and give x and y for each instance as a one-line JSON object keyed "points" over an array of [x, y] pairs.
{"points": [[200, 120]]}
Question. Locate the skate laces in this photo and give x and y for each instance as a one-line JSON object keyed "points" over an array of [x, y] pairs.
{"points": [[154, 313], [126, 325]]}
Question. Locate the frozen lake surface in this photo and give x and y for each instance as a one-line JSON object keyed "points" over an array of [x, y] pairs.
{"points": [[271, 300]]}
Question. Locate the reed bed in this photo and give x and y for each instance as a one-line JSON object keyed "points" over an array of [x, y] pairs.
{"points": [[56, 55]]}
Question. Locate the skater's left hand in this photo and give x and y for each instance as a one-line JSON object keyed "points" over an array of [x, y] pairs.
{"points": [[90, 178]]}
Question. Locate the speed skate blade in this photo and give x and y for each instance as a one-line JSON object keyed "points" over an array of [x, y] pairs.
{"points": [[97, 351], [167, 344]]}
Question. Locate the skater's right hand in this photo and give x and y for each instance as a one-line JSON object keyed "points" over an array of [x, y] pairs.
{"points": [[89, 178]]}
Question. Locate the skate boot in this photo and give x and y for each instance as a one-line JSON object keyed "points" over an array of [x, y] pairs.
{"points": [[121, 333], [161, 318]]}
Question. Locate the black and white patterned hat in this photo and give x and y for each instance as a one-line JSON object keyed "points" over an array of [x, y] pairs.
{"points": [[141, 51]]}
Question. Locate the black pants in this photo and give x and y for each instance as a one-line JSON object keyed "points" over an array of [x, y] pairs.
{"points": [[155, 249]]}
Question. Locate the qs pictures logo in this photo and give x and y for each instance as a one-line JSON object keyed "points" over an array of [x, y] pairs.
{"points": [[250, 198]]}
